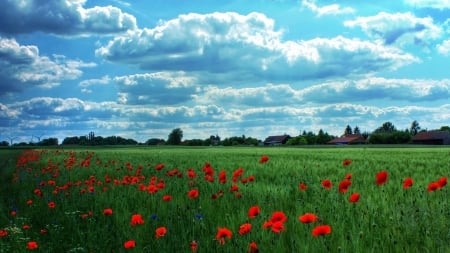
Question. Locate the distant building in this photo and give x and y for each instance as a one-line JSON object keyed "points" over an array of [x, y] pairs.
{"points": [[276, 140], [348, 139], [432, 138]]}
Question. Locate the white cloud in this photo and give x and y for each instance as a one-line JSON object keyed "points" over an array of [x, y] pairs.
{"points": [[332, 9], [444, 48], [436, 4], [247, 46], [398, 28]]}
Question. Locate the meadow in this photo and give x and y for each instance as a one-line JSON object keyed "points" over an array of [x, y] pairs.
{"points": [[216, 199]]}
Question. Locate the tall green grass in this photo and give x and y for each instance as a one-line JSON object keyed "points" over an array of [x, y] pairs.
{"points": [[386, 218]]}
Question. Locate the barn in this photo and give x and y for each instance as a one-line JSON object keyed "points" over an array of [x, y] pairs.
{"points": [[432, 138], [348, 139], [276, 140]]}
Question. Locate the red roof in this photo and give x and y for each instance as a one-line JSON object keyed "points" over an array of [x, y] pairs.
{"points": [[349, 138], [431, 135]]}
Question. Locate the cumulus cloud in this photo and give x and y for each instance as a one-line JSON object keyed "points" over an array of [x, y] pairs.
{"points": [[249, 46], [435, 4], [398, 28], [444, 48], [21, 66], [62, 18], [332, 9]]}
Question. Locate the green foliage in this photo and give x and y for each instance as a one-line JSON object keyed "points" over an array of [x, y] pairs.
{"points": [[175, 137]]}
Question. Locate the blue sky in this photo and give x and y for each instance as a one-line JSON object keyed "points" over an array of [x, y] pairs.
{"points": [[139, 69]]}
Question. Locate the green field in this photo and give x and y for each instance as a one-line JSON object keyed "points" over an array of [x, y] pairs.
{"points": [[55, 199]]}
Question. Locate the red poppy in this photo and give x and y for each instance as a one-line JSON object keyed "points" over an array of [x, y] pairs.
{"points": [[193, 245], [245, 228], [26, 227], [327, 184], [308, 218], [442, 182], [278, 216], [129, 244], [234, 188], [193, 194], [191, 173], [346, 162], [222, 177], [253, 211], [136, 219], [381, 177], [321, 230], [408, 182], [343, 185], [267, 224], [222, 233], [348, 176], [354, 198], [302, 187], [160, 232], [3, 233], [277, 227], [159, 166], [32, 245], [107, 211], [51, 204], [167, 197], [253, 248], [29, 202], [263, 159], [433, 186]]}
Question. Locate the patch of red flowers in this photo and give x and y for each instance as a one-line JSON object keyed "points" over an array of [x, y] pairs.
{"points": [[343, 185], [321, 230], [308, 218], [381, 177], [129, 244], [327, 184], [223, 233], [263, 159]]}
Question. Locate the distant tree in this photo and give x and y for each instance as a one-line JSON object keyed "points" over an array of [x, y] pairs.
{"points": [[323, 137], [348, 130], [445, 128], [155, 141], [387, 127], [299, 140], [365, 135], [356, 130], [75, 140], [4, 143], [49, 142], [175, 137], [414, 129]]}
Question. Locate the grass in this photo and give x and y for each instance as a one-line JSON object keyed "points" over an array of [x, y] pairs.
{"points": [[386, 218]]}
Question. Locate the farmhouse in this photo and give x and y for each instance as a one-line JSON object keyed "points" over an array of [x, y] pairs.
{"points": [[276, 140], [348, 139], [432, 138]]}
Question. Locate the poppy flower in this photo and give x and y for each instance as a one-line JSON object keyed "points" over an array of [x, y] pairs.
{"points": [[321, 230], [381, 177], [167, 198], [29, 202], [433, 186], [267, 224], [51, 204], [245, 228], [107, 211], [32, 245], [442, 182], [278, 216], [354, 198], [26, 227], [3, 233], [193, 194], [308, 218], [277, 227], [160, 232], [343, 185], [302, 187], [222, 233], [327, 184], [159, 166], [253, 212], [136, 219], [253, 248], [408, 182], [346, 162], [129, 244], [348, 176], [234, 188], [193, 245], [263, 159]]}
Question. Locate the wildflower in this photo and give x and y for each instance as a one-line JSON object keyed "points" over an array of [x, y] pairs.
{"points": [[408, 182], [253, 248], [222, 233], [245, 228], [267, 224], [193, 194], [29, 202], [327, 184], [153, 217], [308, 218], [32, 245], [343, 185], [442, 182], [159, 166], [348, 176], [26, 227], [302, 187], [3, 233], [253, 212], [381, 177], [167, 198], [129, 244], [354, 198], [160, 232], [278, 216], [136, 219], [234, 188], [263, 159], [321, 230], [51, 204], [191, 173], [193, 245], [277, 226], [108, 211], [346, 162], [433, 186]]}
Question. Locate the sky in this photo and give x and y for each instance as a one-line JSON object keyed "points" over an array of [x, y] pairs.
{"points": [[139, 69]]}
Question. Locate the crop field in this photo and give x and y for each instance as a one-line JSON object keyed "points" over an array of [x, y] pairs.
{"points": [[216, 199]]}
